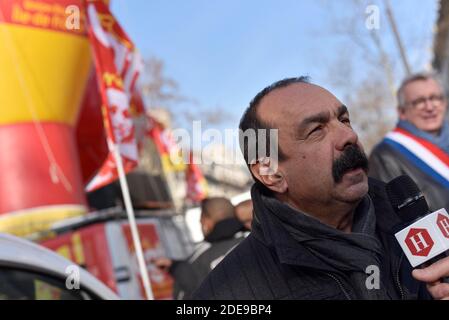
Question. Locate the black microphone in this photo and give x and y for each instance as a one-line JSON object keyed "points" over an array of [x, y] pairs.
{"points": [[423, 235], [406, 199]]}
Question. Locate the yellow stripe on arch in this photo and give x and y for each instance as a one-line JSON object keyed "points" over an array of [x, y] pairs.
{"points": [[29, 221], [43, 74]]}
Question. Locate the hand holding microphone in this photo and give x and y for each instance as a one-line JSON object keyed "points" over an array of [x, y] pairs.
{"points": [[424, 235], [432, 275]]}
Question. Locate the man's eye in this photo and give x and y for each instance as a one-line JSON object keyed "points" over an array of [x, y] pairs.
{"points": [[316, 129], [346, 120]]}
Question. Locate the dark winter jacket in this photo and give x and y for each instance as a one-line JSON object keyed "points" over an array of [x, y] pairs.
{"points": [[190, 273], [271, 264]]}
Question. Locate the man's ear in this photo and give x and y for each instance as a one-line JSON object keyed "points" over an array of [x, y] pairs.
{"points": [[401, 113], [207, 224], [271, 177]]}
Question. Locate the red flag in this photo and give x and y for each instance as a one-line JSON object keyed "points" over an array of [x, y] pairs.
{"points": [[118, 65], [169, 152], [155, 133], [196, 183]]}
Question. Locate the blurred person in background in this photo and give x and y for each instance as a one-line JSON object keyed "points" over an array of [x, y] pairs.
{"points": [[419, 145], [222, 232], [244, 213]]}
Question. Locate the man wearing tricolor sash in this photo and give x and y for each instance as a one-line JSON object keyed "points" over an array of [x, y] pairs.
{"points": [[419, 145]]}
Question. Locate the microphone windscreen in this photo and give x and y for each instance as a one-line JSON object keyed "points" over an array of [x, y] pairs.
{"points": [[406, 198]]}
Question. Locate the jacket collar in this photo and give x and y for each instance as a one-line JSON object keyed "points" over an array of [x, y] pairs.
{"points": [[225, 229], [268, 230]]}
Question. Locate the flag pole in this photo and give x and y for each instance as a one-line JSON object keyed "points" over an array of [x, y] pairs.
{"points": [[132, 223]]}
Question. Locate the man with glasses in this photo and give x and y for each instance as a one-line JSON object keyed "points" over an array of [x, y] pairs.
{"points": [[419, 145]]}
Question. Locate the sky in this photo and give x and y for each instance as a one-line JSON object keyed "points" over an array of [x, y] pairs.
{"points": [[222, 53]]}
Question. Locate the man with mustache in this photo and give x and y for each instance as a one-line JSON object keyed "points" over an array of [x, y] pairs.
{"points": [[321, 229], [419, 145]]}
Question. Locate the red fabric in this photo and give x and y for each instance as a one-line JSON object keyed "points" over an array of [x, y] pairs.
{"points": [[117, 66], [155, 133], [25, 180], [196, 184], [90, 133], [440, 154]]}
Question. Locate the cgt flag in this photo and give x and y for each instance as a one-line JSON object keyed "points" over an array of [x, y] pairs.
{"points": [[118, 65]]}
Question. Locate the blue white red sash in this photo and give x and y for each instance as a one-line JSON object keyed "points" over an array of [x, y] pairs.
{"points": [[423, 154]]}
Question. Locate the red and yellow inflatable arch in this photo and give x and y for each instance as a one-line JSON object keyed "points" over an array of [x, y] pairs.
{"points": [[44, 69]]}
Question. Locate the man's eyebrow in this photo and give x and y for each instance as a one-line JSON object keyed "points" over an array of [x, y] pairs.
{"points": [[321, 117], [342, 110]]}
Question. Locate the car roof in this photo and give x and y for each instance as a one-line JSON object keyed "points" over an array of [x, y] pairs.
{"points": [[21, 253]]}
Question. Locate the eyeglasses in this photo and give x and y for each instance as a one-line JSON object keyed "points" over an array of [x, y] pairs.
{"points": [[420, 103]]}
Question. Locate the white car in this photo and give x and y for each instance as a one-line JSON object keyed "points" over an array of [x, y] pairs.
{"points": [[31, 272]]}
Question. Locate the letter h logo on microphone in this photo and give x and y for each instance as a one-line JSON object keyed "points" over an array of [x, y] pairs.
{"points": [[419, 242], [443, 224], [425, 238]]}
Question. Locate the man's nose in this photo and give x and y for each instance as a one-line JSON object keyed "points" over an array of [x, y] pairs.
{"points": [[429, 105], [345, 136]]}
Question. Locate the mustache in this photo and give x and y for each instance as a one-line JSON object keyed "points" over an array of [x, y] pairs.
{"points": [[352, 158]]}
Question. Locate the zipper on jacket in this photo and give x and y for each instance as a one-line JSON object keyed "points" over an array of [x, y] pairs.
{"points": [[340, 285], [398, 281]]}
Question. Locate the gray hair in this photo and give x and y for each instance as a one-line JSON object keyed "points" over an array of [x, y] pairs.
{"points": [[422, 76]]}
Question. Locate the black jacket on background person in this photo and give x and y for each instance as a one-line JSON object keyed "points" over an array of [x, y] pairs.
{"points": [[385, 163], [190, 273], [281, 259]]}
